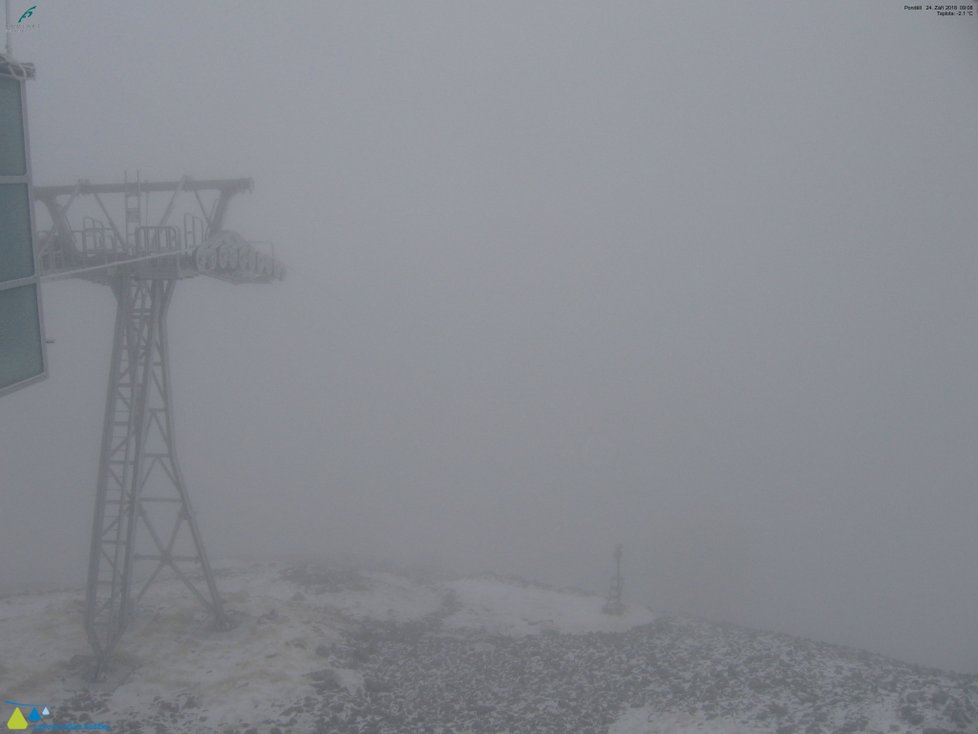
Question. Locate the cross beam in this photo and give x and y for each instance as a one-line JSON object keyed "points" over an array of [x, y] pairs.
{"points": [[103, 243]]}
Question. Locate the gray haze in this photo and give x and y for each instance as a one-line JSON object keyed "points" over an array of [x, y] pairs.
{"points": [[700, 278]]}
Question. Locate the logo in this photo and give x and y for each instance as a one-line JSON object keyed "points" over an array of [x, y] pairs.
{"points": [[24, 23], [31, 716], [17, 719]]}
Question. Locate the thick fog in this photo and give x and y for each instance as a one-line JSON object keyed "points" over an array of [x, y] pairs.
{"points": [[698, 278]]}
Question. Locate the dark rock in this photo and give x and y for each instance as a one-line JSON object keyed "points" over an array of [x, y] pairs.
{"points": [[376, 685], [911, 715]]}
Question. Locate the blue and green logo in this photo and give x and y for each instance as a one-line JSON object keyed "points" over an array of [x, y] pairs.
{"points": [[27, 14], [17, 719], [31, 716]]}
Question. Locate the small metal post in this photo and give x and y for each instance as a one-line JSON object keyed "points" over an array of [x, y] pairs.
{"points": [[614, 604]]}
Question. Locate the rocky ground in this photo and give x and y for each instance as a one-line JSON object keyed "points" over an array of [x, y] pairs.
{"points": [[326, 652]]}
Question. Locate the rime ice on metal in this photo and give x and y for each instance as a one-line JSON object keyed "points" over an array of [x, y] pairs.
{"points": [[140, 483]]}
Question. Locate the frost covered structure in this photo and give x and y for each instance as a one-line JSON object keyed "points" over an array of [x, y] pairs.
{"points": [[140, 483], [323, 650]]}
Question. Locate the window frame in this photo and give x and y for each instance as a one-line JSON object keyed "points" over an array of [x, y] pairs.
{"points": [[34, 278]]}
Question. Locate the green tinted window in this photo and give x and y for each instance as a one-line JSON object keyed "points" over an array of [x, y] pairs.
{"points": [[13, 162], [16, 248], [21, 355]]}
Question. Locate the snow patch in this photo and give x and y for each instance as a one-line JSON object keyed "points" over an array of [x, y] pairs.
{"points": [[500, 607], [647, 721]]}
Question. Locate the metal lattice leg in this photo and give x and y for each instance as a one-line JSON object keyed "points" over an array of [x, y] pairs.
{"points": [[139, 478]]}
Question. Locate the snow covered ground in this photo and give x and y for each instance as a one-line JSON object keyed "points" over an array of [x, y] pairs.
{"points": [[500, 606], [647, 721], [318, 649]]}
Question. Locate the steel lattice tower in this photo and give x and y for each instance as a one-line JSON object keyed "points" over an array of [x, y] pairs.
{"points": [[140, 484]]}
